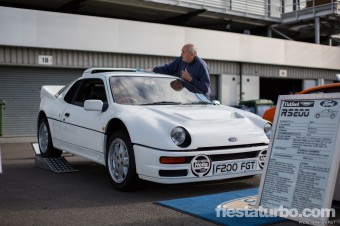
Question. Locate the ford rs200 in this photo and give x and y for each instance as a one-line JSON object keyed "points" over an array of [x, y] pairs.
{"points": [[146, 126]]}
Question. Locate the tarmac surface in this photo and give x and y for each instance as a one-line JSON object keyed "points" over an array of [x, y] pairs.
{"points": [[31, 195]]}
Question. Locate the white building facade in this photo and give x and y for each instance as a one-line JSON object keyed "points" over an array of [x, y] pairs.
{"points": [[40, 47]]}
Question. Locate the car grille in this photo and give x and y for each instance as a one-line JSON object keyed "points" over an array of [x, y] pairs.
{"points": [[231, 147], [173, 173]]}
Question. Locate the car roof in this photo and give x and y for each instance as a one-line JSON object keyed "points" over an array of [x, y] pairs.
{"points": [[108, 72], [316, 88]]}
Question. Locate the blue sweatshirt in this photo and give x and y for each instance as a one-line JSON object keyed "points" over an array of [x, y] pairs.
{"points": [[197, 69]]}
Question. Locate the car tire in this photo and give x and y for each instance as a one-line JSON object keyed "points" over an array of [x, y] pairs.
{"points": [[45, 140], [120, 162]]}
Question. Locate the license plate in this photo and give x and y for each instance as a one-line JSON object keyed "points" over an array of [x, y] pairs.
{"points": [[235, 167]]}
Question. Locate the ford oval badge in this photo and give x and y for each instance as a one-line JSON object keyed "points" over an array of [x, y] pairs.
{"points": [[232, 139], [328, 103]]}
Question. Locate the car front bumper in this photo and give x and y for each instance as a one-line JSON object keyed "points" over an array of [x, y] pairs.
{"points": [[207, 165]]}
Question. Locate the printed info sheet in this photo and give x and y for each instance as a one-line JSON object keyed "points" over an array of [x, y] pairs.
{"points": [[301, 170]]}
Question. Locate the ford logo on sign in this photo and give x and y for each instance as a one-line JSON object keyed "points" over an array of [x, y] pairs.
{"points": [[232, 139], [328, 103]]}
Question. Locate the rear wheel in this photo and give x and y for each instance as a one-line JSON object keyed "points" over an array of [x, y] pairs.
{"points": [[45, 140], [120, 162]]}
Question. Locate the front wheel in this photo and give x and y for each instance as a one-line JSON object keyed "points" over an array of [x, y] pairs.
{"points": [[45, 140], [120, 162]]}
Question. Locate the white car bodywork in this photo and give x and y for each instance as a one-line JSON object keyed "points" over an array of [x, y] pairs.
{"points": [[225, 142]]}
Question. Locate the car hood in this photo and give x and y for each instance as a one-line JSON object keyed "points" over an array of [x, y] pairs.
{"points": [[208, 125], [199, 113]]}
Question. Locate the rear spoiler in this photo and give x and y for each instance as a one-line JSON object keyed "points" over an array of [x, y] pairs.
{"points": [[101, 70], [50, 91]]}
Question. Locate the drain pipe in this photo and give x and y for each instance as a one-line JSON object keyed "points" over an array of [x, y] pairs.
{"points": [[241, 72]]}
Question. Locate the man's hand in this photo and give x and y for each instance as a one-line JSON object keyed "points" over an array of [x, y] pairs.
{"points": [[148, 69], [186, 75]]}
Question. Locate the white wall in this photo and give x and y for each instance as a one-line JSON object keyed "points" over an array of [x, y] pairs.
{"points": [[229, 89], [30, 28], [250, 87]]}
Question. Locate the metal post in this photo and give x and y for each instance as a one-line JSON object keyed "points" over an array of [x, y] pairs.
{"points": [[280, 33], [269, 32], [317, 30], [2, 108]]}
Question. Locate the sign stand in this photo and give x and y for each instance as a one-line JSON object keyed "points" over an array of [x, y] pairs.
{"points": [[336, 196], [0, 161], [303, 159]]}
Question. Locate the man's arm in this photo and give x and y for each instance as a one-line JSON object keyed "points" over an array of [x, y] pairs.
{"points": [[169, 69]]}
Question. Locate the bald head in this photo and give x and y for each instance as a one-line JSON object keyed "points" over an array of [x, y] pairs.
{"points": [[189, 53], [191, 48]]}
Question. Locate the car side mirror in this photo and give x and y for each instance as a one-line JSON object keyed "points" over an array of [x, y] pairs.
{"points": [[216, 102], [93, 105]]}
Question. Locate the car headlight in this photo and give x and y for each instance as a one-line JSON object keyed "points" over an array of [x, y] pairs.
{"points": [[180, 137], [268, 129]]}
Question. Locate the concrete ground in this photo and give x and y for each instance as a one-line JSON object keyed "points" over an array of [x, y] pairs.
{"points": [[33, 196]]}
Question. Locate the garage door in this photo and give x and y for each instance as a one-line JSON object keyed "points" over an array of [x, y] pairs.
{"points": [[20, 88]]}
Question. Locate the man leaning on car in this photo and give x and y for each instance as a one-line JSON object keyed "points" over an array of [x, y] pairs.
{"points": [[189, 67]]}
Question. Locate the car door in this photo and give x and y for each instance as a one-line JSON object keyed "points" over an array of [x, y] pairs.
{"points": [[83, 131]]}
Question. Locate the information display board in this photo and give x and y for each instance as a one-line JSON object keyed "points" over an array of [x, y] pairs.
{"points": [[303, 158]]}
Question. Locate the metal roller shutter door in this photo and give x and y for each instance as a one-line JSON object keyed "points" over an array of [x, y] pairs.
{"points": [[20, 88]]}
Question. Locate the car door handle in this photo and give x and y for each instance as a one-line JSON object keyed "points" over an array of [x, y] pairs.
{"points": [[67, 115]]}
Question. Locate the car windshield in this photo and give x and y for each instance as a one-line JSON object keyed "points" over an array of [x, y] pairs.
{"points": [[138, 90]]}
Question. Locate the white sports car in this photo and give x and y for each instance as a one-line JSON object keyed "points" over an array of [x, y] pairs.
{"points": [[149, 126]]}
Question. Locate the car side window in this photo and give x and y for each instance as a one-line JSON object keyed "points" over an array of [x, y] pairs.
{"points": [[86, 89], [69, 97]]}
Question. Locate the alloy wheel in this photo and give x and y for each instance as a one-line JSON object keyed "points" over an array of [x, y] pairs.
{"points": [[43, 137], [118, 160]]}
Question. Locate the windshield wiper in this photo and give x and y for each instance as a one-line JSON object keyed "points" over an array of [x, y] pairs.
{"points": [[163, 103], [198, 102]]}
